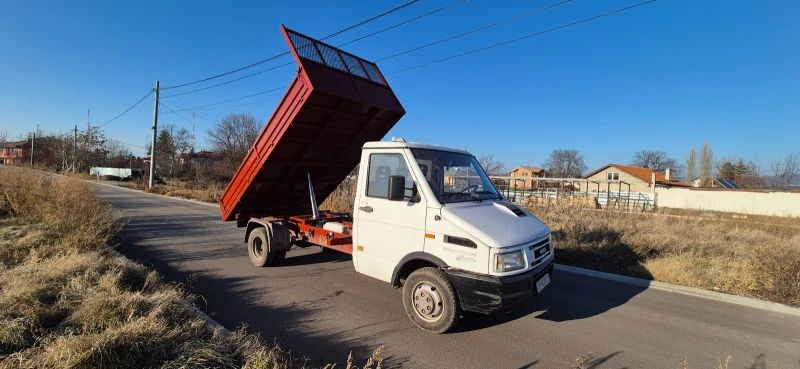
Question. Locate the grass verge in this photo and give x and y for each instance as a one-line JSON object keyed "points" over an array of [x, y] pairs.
{"points": [[757, 259], [206, 192], [67, 301]]}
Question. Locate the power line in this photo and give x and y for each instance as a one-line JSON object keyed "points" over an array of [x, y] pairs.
{"points": [[129, 109], [524, 37], [405, 22], [477, 30], [182, 117], [368, 20], [238, 98], [184, 105], [238, 105], [234, 80], [286, 53], [125, 143]]}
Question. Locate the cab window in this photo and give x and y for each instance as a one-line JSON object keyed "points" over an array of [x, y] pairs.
{"points": [[381, 166]]}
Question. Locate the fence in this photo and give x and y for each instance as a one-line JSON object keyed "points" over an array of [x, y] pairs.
{"points": [[519, 190], [608, 200]]}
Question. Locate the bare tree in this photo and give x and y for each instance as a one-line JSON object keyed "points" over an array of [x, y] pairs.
{"points": [[4, 135], [706, 164], [656, 160], [565, 163], [232, 137], [91, 148], [117, 155], [784, 171], [61, 151], [171, 143], [491, 165], [691, 165]]}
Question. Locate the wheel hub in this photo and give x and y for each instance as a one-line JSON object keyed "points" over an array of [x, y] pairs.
{"points": [[258, 248], [427, 301]]}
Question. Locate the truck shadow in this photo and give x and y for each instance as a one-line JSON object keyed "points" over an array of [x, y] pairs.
{"points": [[294, 257], [572, 296], [569, 297]]}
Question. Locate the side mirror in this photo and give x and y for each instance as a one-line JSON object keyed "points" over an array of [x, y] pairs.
{"points": [[397, 188]]}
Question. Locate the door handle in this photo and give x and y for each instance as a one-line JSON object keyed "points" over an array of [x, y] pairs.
{"points": [[367, 209]]}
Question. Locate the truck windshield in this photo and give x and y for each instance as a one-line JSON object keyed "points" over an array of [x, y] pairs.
{"points": [[455, 177]]}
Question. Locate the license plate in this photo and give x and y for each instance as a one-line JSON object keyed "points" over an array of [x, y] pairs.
{"points": [[541, 283]]}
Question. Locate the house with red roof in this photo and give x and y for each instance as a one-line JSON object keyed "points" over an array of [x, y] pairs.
{"points": [[640, 179]]}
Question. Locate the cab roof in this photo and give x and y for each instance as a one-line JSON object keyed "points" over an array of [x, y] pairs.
{"points": [[401, 144]]}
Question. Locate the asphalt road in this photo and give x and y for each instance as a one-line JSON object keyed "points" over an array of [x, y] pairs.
{"points": [[318, 306]]}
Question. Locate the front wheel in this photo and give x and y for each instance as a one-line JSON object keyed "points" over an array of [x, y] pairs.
{"points": [[430, 300]]}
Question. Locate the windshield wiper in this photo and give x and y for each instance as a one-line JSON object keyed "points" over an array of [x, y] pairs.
{"points": [[479, 199]]}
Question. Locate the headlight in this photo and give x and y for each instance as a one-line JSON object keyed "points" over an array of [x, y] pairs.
{"points": [[509, 261]]}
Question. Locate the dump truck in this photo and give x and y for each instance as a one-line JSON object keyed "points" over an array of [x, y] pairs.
{"points": [[426, 218]]}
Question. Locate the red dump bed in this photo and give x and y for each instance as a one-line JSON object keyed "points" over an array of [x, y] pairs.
{"points": [[335, 104]]}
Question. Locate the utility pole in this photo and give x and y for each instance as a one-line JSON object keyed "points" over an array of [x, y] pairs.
{"points": [[192, 131], [33, 142], [88, 119], [75, 150], [152, 179]]}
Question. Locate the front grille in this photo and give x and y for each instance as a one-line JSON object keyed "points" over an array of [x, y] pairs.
{"points": [[541, 250], [539, 244]]}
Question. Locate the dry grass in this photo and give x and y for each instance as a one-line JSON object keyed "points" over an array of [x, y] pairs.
{"points": [[342, 198], [206, 192], [753, 259], [67, 301]]}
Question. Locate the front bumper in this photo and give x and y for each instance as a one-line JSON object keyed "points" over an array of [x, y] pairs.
{"points": [[490, 294]]}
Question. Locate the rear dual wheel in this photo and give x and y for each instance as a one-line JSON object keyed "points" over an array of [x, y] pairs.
{"points": [[258, 249], [430, 300]]}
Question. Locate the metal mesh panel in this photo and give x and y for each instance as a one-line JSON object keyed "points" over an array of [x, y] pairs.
{"points": [[372, 70], [354, 65], [332, 57], [305, 47], [308, 48]]}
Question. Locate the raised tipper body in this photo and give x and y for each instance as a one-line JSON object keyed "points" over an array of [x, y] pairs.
{"points": [[426, 218]]}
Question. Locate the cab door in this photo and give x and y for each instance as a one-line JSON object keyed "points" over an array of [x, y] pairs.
{"points": [[386, 231]]}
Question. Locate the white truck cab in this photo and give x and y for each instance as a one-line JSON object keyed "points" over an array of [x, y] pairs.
{"points": [[429, 219]]}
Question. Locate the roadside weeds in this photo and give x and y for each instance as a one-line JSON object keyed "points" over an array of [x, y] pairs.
{"points": [[751, 259], [68, 301]]}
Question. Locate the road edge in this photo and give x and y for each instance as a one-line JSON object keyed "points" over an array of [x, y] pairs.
{"points": [[693, 291]]}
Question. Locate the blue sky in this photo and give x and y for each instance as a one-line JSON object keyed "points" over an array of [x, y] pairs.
{"points": [[664, 76]]}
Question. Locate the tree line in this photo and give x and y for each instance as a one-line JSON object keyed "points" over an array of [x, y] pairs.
{"points": [[228, 141], [63, 152], [699, 165]]}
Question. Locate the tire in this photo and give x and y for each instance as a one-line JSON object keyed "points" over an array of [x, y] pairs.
{"points": [[421, 291], [258, 246]]}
